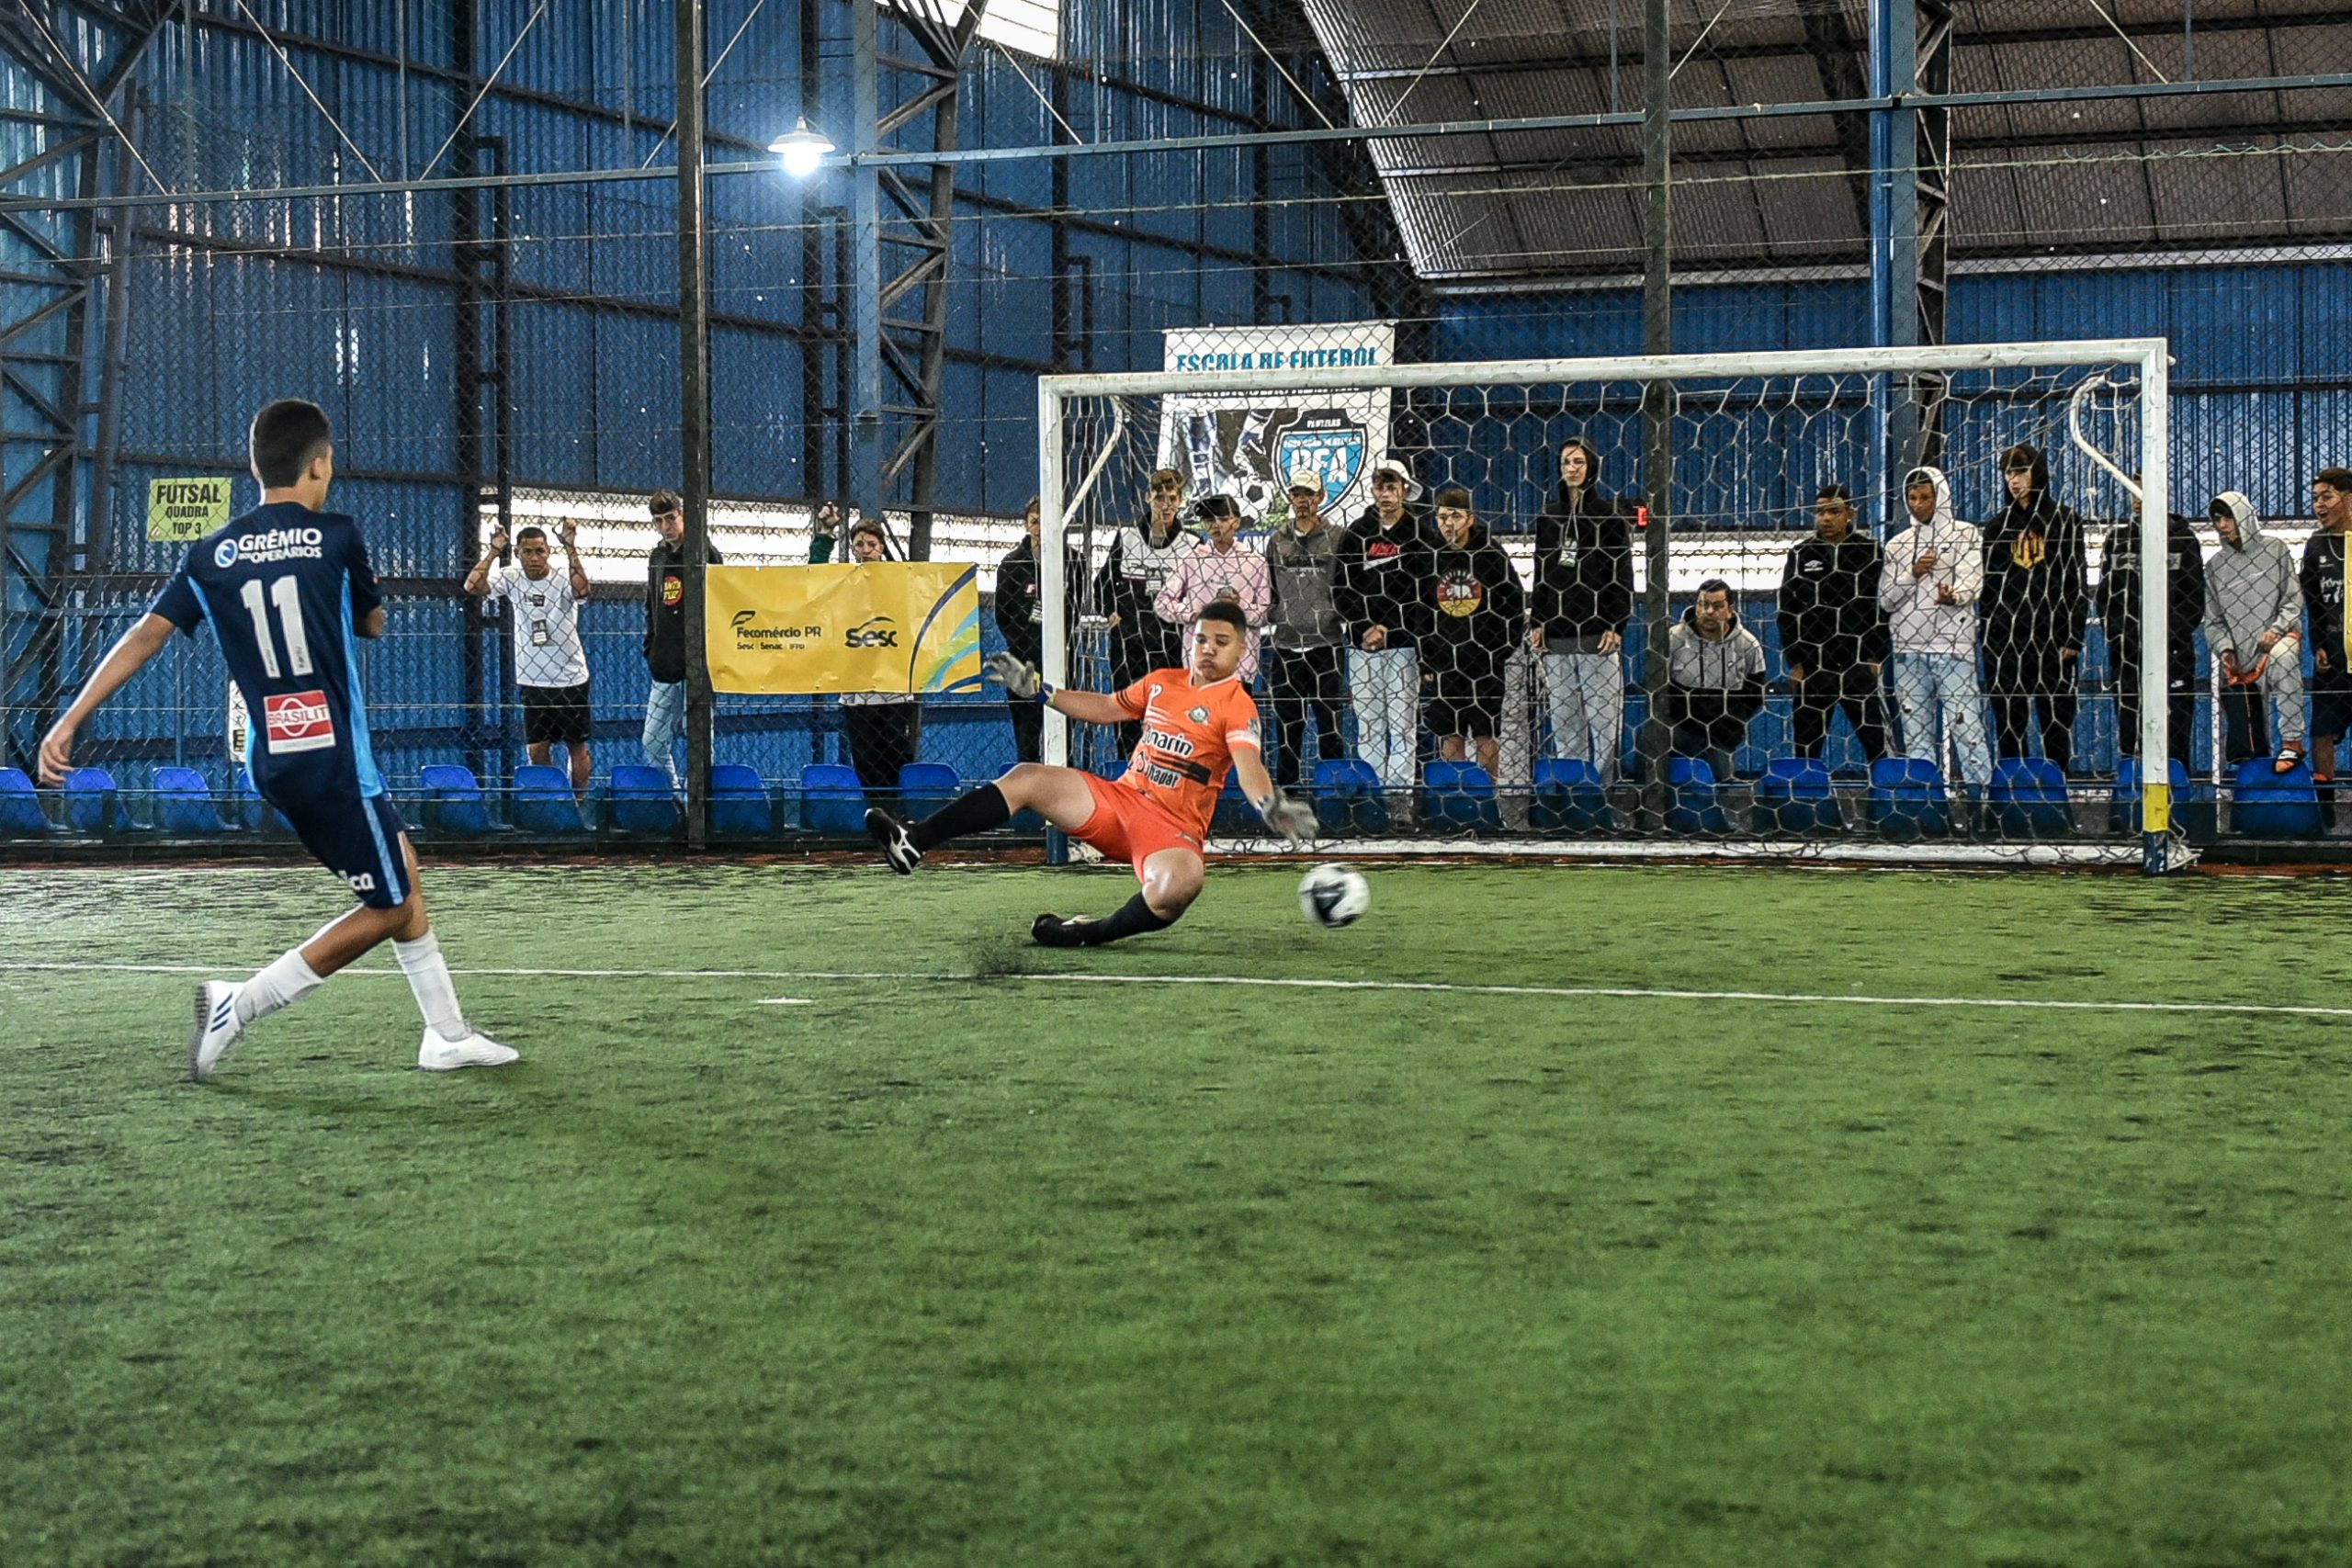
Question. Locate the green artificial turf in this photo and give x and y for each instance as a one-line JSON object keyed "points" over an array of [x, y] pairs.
{"points": [[964, 1263]]}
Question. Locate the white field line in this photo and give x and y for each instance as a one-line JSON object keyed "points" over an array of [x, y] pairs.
{"points": [[1626, 993]]}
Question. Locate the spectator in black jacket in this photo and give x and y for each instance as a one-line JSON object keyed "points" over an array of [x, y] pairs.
{"points": [[2035, 599], [1715, 679], [1021, 620], [1381, 590], [665, 635], [1833, 630], [1142, 556], [2323, 580], [2119, 614], [1477, 613], [1584, 594]]}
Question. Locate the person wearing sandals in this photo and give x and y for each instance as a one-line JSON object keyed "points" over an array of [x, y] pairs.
{"points": [[2254, 616]]}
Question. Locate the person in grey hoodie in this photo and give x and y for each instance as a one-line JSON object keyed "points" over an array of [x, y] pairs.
{"points": [[2254, 615], [1308, 637], [1715, 679], [1934, 572]]}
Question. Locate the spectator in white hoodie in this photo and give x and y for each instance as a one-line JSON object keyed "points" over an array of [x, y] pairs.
{"points": [[1934, 571]]}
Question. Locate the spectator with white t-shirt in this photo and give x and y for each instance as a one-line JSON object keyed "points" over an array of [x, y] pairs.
{"points": [[551, 667]]}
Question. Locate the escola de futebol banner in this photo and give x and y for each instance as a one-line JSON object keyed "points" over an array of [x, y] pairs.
{"points": [[1247, 444], [881, 626]]}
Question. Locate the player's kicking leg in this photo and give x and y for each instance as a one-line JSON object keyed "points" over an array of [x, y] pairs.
{"points": [[1171, 880], [385, 913], [1059, 794]]}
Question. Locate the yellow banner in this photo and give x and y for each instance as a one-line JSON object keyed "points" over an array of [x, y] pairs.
{"points": [[880, 627], [186, 509]]}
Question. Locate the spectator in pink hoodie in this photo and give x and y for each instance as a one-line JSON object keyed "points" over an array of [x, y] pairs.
{"points": [[1220, 569]]}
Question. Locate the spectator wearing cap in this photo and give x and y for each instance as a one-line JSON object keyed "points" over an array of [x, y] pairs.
{"points": [[1303, 560], [1381, 591], [1217, 568], [1584, 595]]}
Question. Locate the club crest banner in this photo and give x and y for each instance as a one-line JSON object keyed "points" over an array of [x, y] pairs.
{"points": [[881, 626], [1246, 443]]}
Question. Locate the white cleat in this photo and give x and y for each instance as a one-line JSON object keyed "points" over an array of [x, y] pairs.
{"points": [[217, 1028], [476, 1050]]}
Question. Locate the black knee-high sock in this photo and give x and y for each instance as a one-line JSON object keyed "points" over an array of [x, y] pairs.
{"points": [[974, 813], [1133, 918]]}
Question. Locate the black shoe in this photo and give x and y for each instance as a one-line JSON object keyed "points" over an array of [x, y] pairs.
{"points": [[1052, 931], [897, 845]]}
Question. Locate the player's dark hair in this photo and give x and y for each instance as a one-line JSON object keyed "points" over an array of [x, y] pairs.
{"points": [[534, 531], [1833, 490], [286, 435], [1453, 498], [2335, 479], [1229, 612], [665, 500], [1715, 585]]}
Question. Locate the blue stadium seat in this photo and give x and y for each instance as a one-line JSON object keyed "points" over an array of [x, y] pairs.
{"points": [[1794, 796], [1906, 799], [1459, 798], [738, 802], [2029, 799], [641, 800], [184, 803], [89, 800], [251, 811], [830, 800], [1691, 804], [1348, 798], [2269, 805], [542, 800], [1235, 817], [20, 813], [925, 788], [2192, 803], [453, 799], [1570, 799]]}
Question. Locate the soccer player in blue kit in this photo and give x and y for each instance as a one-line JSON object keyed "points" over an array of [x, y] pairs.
{"points": [[286, 587]]}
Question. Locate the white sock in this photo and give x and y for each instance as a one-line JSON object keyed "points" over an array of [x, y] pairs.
{"points": [[437, 994], [283, 983]]}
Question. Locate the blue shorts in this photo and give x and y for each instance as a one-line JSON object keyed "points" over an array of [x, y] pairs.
{"points": [[358, 838]]}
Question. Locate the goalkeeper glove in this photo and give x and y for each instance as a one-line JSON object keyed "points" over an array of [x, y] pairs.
{"points": [[1018, 677], [1294, 820]]}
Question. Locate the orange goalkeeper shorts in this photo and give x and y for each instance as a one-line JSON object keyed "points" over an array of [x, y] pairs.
{"points": [[1127, 826]]}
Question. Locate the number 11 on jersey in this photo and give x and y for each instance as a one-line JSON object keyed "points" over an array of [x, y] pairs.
{"points": [[286, 594]]}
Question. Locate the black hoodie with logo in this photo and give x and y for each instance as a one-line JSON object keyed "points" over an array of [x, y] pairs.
{"points": [[1830, 616], [665, 609], [1584, 564], [1383, 577], [1477, 612], [2119, 600], [2037, 593], [2322, 582]]}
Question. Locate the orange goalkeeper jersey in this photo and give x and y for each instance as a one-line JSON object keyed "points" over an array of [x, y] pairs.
{"points": [[1189, 734]]}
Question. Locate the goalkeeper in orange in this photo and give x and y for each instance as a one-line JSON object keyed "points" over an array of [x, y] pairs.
{"points": [[1196, 723]]}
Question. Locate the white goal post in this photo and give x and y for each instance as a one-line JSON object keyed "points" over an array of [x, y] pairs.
{"points": [[1080, 416]]}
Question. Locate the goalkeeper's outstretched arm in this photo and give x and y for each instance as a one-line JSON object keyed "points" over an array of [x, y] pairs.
{"points": [[1294, 820], [1089, 707]]}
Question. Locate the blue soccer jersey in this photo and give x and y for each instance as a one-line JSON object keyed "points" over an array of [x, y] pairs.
{"points": [[284, 589]]}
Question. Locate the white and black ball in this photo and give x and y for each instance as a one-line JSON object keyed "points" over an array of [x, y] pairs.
{"points": [[1333, 896]]}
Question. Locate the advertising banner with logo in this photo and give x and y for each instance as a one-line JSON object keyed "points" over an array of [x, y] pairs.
{"points": [[881, 626], [1246, 443]]}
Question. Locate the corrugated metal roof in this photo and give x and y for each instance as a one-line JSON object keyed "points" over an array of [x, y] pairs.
{"points": [[2034, 177]]}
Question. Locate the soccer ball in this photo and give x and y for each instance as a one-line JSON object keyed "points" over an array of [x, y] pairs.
{"points": [[1334, 896]]}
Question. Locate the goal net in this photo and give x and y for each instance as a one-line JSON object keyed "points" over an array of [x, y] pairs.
{"points": [[1869, 604]]}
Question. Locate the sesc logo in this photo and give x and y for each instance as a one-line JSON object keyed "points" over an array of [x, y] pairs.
{"points": [[875, 631]]}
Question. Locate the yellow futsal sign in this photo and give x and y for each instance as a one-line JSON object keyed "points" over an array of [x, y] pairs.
{"points": [[186, 509], [881, 626]]}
